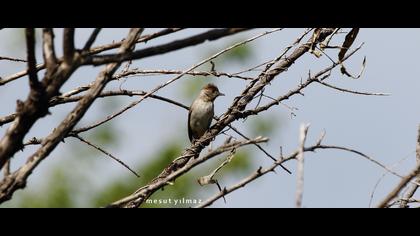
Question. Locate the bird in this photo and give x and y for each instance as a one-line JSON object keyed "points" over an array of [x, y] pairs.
{"points": [[201, 111]]}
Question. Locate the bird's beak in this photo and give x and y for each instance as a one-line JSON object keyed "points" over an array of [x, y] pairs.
{"points": [[221, 94]]}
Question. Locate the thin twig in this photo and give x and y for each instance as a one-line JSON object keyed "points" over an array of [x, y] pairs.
{"points": [[391, 167], [91, 39], [106, 153], [12, 59], [260, 171], [352, 91]]}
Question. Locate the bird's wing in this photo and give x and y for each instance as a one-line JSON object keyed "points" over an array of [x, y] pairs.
{"points": [[189, 127]]}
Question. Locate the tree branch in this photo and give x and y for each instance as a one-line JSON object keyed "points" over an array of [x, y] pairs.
{"points": [[300, 165], [30, 51], [68, 45], [17, 180], [414, 187], [232, 114], [50, 58], [91, 39], [165, 48], [260, 171], [12, 59], [415, 172], [182, 170], [144, 38]]}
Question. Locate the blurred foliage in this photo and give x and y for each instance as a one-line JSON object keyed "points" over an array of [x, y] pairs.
{"points": [[240, 54], [104, 135], [264, 125], [57, 191]]}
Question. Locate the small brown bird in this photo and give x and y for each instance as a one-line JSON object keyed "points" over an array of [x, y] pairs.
{"points": [[202, 111]]}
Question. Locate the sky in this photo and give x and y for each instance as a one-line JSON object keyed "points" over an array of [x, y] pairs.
{"points": [[383, 127]]}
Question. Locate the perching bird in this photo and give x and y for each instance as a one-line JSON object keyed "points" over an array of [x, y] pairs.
{"points": [[202, 111]]}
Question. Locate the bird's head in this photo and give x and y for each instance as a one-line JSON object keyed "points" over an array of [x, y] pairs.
{"points": [[210, 92]]}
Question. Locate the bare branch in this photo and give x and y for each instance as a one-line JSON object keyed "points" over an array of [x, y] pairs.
{"points": [[7, 119], [157, 184], [18, 179], [6, 169], [68, 45], [352, 91], [410, 193], [136, 72], [300, 165], [415, 172], [49, 51], [320, 76], [19, 75], [30, 50], [208, 179], [144, 38], [165, 48], [92, 51], [35, 107], [260, 172], [91, 39], [12, 59]]}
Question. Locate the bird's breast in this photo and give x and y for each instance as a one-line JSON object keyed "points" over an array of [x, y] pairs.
{"points": [[201, 114]]}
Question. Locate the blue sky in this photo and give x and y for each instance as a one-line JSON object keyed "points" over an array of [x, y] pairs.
{"points": [[384, 128]]}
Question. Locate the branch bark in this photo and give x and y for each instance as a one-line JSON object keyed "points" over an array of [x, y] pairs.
{"points": [[300, 165], [410, 193], [18, 179]]}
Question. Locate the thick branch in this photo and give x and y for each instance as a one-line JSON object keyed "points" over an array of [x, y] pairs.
{"points": [[68, 45], [49, 51], [18, 179], [30, 51]]}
